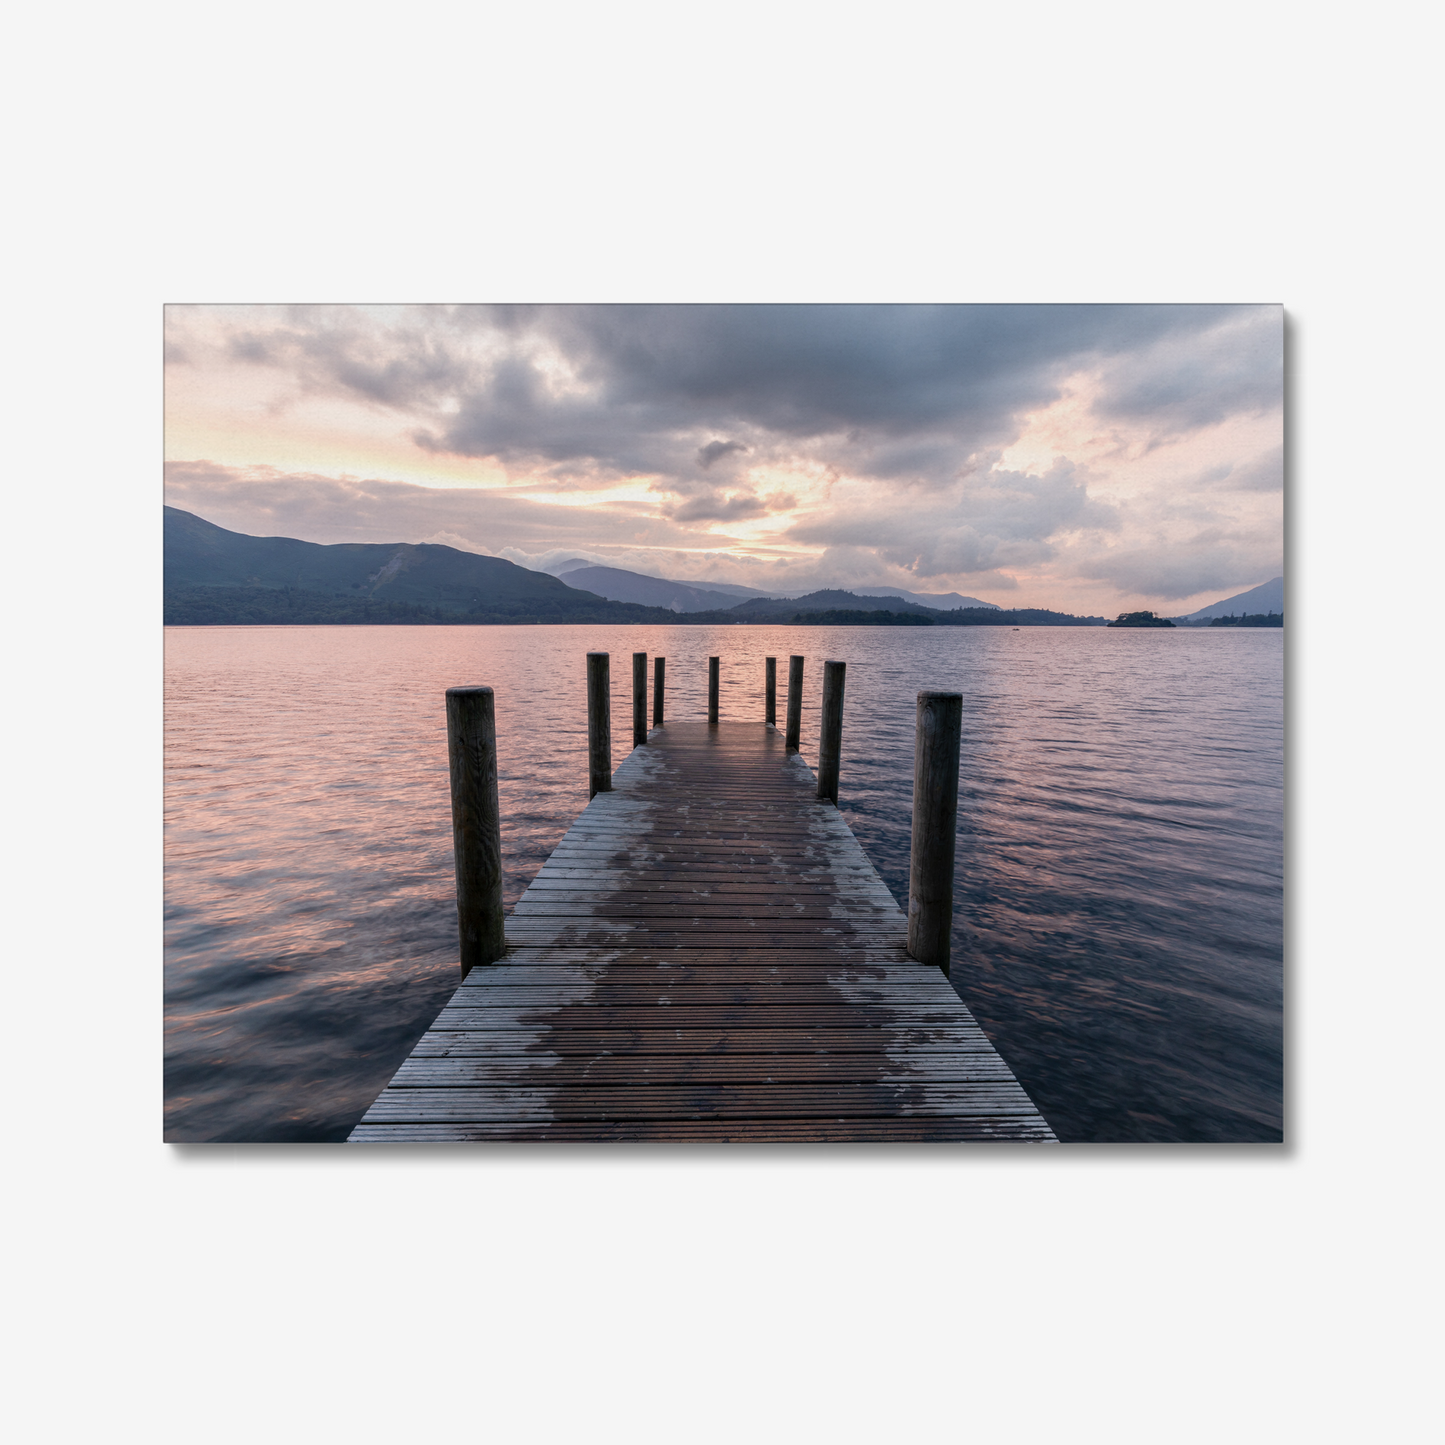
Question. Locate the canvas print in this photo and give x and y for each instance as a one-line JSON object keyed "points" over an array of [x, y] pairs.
{"points": [[811, 724]]}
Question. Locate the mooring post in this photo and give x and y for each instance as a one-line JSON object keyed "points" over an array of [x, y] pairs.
{"points": [[639, 699], [937, 734], [770, 691], [659, 679], [830, 730], [476, 823], [712, 692], [599, 725], [795, 702]]}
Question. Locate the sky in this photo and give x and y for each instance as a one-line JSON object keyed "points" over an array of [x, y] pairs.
{"points": [[1089, 458]]}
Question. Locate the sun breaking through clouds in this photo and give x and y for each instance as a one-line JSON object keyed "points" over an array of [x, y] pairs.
{"points": [[1085, 458]]}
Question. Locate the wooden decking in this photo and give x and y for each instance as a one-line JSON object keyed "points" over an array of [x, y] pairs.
{"points": [[707, 955]]}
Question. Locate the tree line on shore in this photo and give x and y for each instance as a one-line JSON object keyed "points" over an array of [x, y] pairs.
{"points": [[1249, 619]]}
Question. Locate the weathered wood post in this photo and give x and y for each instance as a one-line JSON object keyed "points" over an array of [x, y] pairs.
{"points": [[639, 699], [712, 692], [770, 691], [935, 824], [599, 725], [830, 730], [476, 823], [795, 702], [659, 680]]}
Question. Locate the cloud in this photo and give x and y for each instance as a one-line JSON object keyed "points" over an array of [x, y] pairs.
{"points": [[714, 507], [445, 538], [556, 559], [899, 392], [1187, 380], [998, 519], [715, 451], [1208, 565], [1264, 473], [778, 441], [265, 501]]}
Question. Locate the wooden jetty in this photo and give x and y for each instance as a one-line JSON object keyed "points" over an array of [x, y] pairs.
{"points": [[707, 955]]}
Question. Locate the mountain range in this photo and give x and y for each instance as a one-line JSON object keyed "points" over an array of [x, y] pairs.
{"points": [[622, 586], [217, 576], [619, 586], [934, 601]]}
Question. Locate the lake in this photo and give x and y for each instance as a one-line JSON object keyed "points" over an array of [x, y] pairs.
{"points": [[1119, 895]]}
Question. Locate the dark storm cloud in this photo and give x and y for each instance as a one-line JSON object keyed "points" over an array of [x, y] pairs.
{"points": [[902, 392], [810, 371]]}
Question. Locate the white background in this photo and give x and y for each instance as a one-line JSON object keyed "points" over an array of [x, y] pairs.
{"points": [[781, 151]]}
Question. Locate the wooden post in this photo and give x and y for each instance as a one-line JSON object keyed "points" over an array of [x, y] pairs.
{"points": [[795, 702], [599, 725], [476, 823], [935, 825], [770, 691], [712, 692], [659, 680], [830, 730], [639, 699]]}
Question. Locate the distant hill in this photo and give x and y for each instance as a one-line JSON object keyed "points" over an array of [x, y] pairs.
{"points": [[840, 607], [214, 576], [990, 616], [683, 594], [621, 586], [733, 589], [1267, 597], [829, 599], [935, 601]]}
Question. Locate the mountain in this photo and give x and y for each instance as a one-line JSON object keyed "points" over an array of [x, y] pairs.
{"points": [[1267, 597], [212, 574], [682, 595], [830, 599], [935, 601], [733, 589], [938, 601], [730, 589], [620, 586], [834, 606]]}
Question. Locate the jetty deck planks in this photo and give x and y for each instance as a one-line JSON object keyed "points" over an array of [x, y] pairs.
{"points": [[708, 954]]}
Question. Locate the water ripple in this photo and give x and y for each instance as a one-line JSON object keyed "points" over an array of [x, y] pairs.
{"points": [[1120, 859]]}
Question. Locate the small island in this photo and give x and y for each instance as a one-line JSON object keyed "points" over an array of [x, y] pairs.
{"points": [[1139, 619]]}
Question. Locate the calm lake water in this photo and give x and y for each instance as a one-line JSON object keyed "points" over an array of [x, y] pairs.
{"points": [[1118, 914]]}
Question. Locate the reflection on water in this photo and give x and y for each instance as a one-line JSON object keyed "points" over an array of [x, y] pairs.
{"points": [[1118, 920]]}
